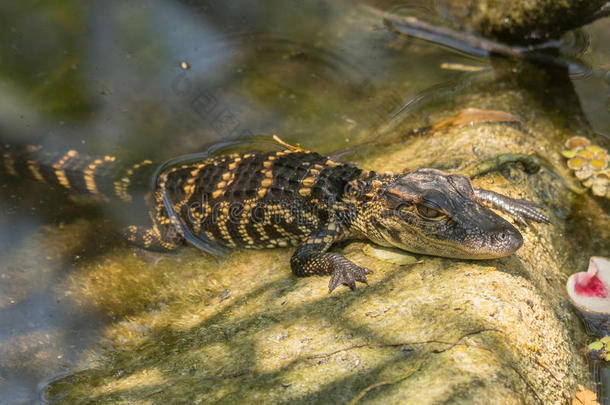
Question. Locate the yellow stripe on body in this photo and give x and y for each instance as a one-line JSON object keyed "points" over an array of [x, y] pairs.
{"points": [[222, 221], [35, 170], [9, 164], [227, 177], [120, 186], [310, 179], [89, 174], [60, 173], [267, 173]]}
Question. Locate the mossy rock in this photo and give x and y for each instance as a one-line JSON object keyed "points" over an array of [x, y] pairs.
{"points": [[195, 329], [521, 22]]}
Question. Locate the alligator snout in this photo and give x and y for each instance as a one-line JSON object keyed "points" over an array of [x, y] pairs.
{"points": [[506, 241]]}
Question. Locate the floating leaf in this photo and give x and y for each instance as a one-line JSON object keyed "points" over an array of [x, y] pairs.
{"points": [[577, 142], [390, 255], [576, 163], [602, 155], [471, 116], [585, 397], [585, 154], [595, 149], [598, 164], [569, 153], [597, 345]]}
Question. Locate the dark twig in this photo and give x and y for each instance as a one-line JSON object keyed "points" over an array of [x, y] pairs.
{"points": [[474, 44], [424, 342], [463, 41], [450, 346], [403, 377]]}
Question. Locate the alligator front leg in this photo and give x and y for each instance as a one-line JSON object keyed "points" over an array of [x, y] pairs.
{"points": [[311, 258], [522, 210]]}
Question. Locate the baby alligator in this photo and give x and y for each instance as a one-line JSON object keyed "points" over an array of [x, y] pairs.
{"points": [[294, 198]]}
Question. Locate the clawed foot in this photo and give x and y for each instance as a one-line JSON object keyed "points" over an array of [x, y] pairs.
{"points": [[348, 275], [522, 210]]}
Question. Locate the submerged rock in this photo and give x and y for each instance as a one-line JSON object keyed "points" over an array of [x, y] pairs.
{"points": [[521, 22], [243, 329]]}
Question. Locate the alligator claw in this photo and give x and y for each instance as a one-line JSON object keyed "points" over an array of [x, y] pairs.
{"points": [[348, 275], [525, 210]]}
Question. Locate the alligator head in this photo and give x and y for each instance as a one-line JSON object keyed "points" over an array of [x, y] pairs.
{"points": [[434, 213]]}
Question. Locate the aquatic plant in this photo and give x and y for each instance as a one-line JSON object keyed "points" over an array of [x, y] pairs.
{"points": [[590, 164]]}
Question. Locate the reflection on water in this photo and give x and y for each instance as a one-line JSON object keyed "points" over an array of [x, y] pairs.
{"points": [[105, 77]]}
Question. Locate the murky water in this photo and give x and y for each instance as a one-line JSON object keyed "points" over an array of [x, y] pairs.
{"points": [[159, 78]]}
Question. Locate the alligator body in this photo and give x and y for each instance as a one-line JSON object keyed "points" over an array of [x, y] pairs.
{"points": [[293, 198]]}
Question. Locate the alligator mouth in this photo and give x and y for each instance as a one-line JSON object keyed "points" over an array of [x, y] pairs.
{"points": [[500, 244], [497, 245]]}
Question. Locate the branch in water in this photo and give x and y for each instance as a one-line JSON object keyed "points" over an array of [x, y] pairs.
{"points": [[467, 42], [472, 43]]}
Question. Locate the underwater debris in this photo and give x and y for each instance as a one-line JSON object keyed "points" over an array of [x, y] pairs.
{"points": [[531, 164], [600, 349], [589, 292], [590, 164]]}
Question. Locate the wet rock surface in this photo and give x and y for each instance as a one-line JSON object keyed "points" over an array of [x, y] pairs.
{"points": [[189, 328]]}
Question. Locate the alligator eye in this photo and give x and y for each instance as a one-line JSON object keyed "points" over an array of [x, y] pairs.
{"points": [[428, 213]]}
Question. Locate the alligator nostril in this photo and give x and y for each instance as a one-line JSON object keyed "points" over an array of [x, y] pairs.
{"points": [[510, 239]]}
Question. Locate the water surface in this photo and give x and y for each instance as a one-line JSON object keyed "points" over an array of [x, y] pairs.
{"points": [[158, 78]]}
